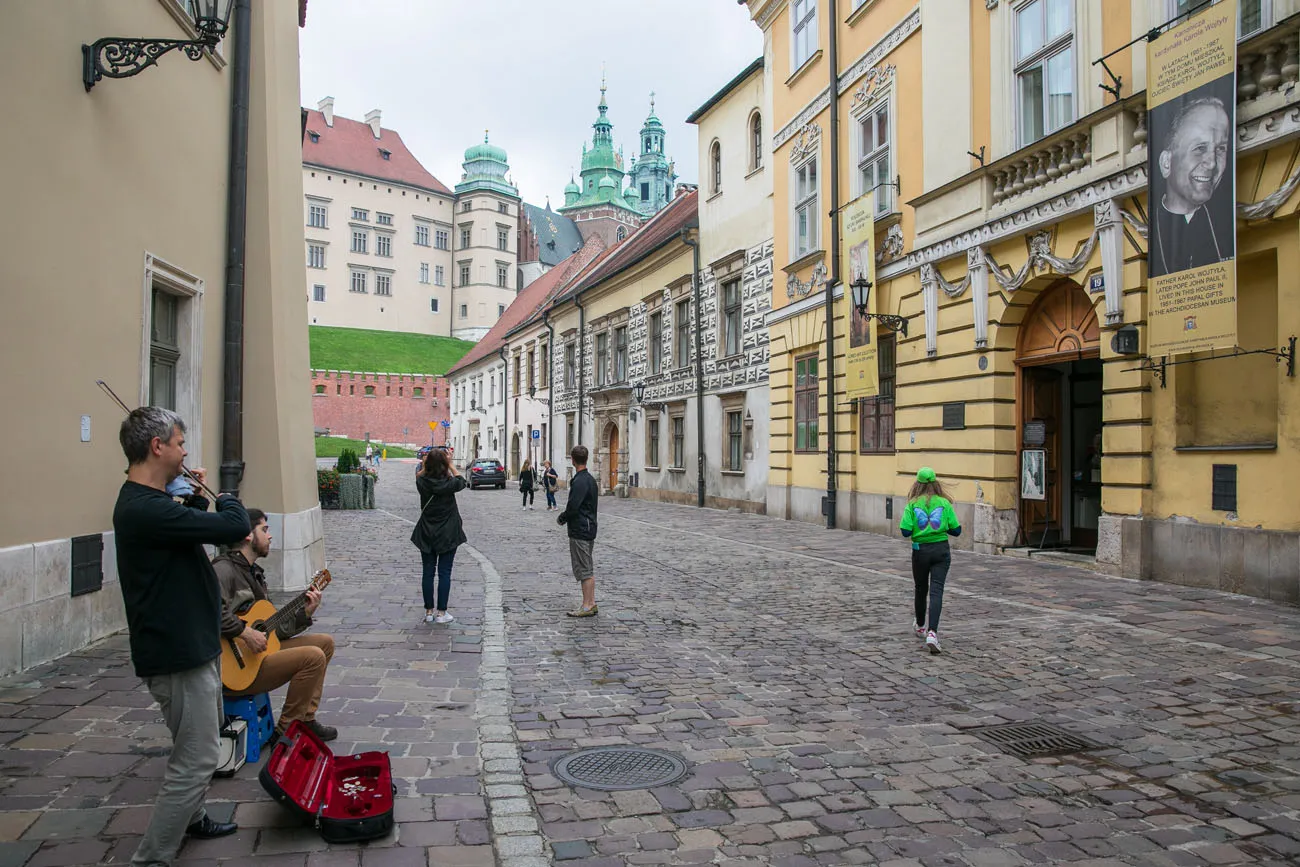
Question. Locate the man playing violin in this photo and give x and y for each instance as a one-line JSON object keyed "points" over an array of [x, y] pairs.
{"points": [[302, 659]]}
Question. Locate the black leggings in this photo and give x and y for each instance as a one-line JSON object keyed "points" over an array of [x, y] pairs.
{"points": [[930, 564], [528, 496]]}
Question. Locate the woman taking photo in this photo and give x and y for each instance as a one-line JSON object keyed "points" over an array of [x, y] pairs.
{"points": [[438, 532]]}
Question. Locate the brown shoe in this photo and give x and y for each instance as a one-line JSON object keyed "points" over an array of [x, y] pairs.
{"points": [[324, 732], [584, 612]]}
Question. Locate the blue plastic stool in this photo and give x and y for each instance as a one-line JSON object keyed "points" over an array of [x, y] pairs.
{"points": [[256, 711]]}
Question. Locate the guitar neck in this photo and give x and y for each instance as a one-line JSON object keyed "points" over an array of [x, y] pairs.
{"points": [[286, 614]]}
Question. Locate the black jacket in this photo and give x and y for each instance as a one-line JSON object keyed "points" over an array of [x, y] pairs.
{"points": [[579, 513], [526, 480], [439, 528], [173, 603], [243, 583]]}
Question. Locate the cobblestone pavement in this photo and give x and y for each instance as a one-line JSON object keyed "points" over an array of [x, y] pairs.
{"points": [[776, 658]]}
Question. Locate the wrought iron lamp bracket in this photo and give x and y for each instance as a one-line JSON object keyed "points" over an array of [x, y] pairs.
{"points": [[120, 57]]}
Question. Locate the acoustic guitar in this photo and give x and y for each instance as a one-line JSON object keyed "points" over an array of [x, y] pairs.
{"points": [[239, 663]]}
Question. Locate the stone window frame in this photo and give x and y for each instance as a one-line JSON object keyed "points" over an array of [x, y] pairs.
{"points": [[384, 243], [312, 248], [862, 160], [797, 25], [318, 296], [466, 236], [360, 241], [679, 292], [600, 358], [653, 443], [383, 284], [808, 203], [357, 281], [732, 404], [754, 129], [676, 413], [188, 289], [812, 444], [727, 269], [424, 273], [421, 234]]}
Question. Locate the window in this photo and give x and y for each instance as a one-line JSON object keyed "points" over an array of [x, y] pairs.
{"points": [[652, 443], [503, 208], [756, 141], [602, 357], [383, 244], [464, 311], [679, 442], [442, 239], [806, 384], [532, 362], [417, 391], [656, 341], [645, 192], [873, 166], [361, 214], [682, 334], [318, 292], [424, 272], [519, 372], [715, 167], [570, 366], [433, 305], [803, 20], [876, 414], [384, 219], [731, 317], [164, 349], [622, 233], [1252, 15], [316, 216], [503, 239], [370, 391], [320, 389], [466, 206], [464, 274], [315, 255], [620, 354], [465, 235], [421, 236], [570, 439], [360, 241], [383, 284], [806, 219], [439, 276], [503, 275], [544, 370], [501, 309], [358, 281], [1044, 67], [735, 441]]}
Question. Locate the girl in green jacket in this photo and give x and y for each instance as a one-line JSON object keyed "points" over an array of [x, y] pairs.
{"points": [[928, 521]]}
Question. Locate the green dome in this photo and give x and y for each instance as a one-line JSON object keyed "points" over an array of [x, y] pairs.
{"points": [[572, 187], [632, 195], [485, 151], [607, 183]]}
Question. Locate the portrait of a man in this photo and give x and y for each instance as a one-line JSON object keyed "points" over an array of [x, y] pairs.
{"points": [[1191, 185]]}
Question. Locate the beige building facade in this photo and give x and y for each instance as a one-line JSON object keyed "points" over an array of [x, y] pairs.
{"points": [[140, 300]]}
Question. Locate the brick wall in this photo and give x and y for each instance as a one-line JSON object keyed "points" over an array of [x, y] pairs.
{"points": [[391, 407]]}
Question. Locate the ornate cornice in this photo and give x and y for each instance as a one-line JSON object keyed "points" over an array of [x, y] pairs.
{"points": [[773, 8], [1268, 129], [811, 110], [876, 53]]}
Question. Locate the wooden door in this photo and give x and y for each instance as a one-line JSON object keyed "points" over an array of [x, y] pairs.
{"points": [[1041, 405], [613, 457]]}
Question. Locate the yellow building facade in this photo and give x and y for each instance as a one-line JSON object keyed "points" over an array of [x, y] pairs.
{"points": [[1015, 246]]}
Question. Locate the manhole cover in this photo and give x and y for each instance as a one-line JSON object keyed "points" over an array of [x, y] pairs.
{"points": [[1034, 739], [612, 769]]}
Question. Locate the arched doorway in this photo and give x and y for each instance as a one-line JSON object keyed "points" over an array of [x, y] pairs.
{"points": [[514, 454], [1058, 368], [611, 456]]}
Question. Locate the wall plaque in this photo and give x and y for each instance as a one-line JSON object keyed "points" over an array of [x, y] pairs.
{"points": [[954, 416], [1035, 433]]}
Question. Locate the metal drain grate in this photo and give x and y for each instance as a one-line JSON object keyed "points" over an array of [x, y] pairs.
{"points": [[1034, 739], [612, 769]]}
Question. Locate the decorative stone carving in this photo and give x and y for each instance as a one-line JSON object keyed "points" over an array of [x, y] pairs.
{"points": [[1268, 205], [978, 276], [794, 288], [876, 53], [806, 142], [892, 247], [990, 4], [1109, 222], [811, 110], [1268, 129], [875, 81]]}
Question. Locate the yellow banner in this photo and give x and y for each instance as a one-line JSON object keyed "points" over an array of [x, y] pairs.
{"points": [[1191, 256], [857, 222]]}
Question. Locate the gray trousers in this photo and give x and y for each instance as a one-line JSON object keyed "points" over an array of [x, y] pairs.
{"points": [[192, 708]]}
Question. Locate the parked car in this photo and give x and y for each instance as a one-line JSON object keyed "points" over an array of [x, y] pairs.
{"points": [[422, 451], [487, 472]]}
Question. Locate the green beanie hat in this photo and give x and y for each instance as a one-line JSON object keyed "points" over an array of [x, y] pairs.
{"points": [[925, 474]]}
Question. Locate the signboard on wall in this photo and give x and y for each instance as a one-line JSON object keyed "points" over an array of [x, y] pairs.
{"points": [[858, 251], [1192, 248]]}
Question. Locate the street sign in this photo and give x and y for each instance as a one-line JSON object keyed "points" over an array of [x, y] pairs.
{"points": [[537, 434], [433, 425], [444, 423]]}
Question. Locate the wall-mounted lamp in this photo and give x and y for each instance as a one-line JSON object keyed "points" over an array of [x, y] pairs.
{"points": [[861, 288], [638, 395], [1125, 341], [123, 57]]}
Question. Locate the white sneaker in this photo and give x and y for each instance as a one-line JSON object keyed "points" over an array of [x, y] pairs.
{"points": [[428, 618], [932, 642], [445, 617], [919, 631], [532, 508]]}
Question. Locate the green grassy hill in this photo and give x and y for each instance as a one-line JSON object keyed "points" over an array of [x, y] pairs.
{"points": [[383, 351]]}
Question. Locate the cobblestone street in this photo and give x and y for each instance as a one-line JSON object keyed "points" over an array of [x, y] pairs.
{"points": [[775, 658]]}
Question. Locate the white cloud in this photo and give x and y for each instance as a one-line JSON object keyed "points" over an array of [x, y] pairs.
{"points": [[528, 70]]}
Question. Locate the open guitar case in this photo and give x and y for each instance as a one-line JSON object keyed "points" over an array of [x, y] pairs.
{"points": [[347, 798]]}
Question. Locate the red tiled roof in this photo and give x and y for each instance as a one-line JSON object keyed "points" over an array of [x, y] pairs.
{"points": [[530, 301], [350, 146]]}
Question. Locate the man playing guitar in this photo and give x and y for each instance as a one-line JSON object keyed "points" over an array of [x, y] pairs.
{"points": [[301, 660]]}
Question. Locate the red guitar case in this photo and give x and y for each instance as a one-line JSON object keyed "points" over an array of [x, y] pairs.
{"points": [[348, 798]]}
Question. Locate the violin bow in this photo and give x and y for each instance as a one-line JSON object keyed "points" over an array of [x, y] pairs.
{"points": [[126, 409]]}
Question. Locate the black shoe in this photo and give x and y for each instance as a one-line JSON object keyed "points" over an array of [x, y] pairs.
{"points": [[325, 733], [206, 829]]}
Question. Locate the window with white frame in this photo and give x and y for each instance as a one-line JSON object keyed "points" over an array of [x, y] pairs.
{"points": [[318, 292], [164, 348], [421, 235], [464, 274], [807, 221], [466, 206], [433, 305], [360, 241], [384, 219], [383, 284], [715, 167], [466, 234], [1044, 67], [679, 442], [652, 444], [503, 208], [464, 311], [501, 309], [358, 283], [316, 216], [731, 341], [424, 272], [315, 255], [503, 239], [503, 275], [383, 244], [361, 214], [803, 25], [735, 441], [442, 239], [755, 142], [873, 163], [439, 276]]}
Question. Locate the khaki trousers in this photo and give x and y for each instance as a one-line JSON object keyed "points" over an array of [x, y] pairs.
{"points": [[300, 662]]}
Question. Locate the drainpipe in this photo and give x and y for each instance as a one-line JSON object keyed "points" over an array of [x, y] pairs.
{"points": [[550, 385], [505, 405], [232, 409], [582, 360], [694, 244], [833, 57]]}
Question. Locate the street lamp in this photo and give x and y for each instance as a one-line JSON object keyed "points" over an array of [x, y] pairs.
{"points": [[639, 390], [861, 288], [123, 57]]}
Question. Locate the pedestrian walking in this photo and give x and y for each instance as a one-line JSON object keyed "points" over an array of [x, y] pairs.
{"points": [[527, 483], [173, 613], [370, 455], [579, 516], [550, 482], [438, 532], [928, 521]]}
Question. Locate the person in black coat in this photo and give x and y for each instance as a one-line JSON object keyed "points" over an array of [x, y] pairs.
{"points": [[527, 483], [438, 532]]}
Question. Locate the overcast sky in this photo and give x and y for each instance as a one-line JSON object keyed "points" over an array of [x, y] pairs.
{"points": [[442, 71]]}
